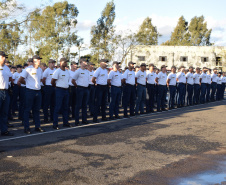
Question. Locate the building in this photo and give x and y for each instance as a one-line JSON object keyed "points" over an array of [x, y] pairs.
{"points": [[196, 56]]}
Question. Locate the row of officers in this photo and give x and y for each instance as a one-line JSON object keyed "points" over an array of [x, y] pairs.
{"points": [[63, 91]]}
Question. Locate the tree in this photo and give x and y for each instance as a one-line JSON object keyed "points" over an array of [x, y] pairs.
{"points": [[147, 33], [200, 35], [102, 34], [194, 34], [9, 8], [125, 42], [53, 29], [180, 36]]}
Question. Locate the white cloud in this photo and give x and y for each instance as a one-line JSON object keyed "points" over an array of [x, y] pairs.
{"points": [[85, 25]]}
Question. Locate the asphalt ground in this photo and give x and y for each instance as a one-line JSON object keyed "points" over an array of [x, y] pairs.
{"points": [[126, 151]]}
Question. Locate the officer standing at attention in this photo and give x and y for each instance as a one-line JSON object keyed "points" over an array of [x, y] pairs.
{"points": [[219, 83], [213, 84], [60, 80], [181, 79], [203, 82], [72, 90], [33, 97], [208, 85], [81, 81], [140, 79], [5, 77], [162, 89], [171, 83], [91, 99], [151, 76], [100, 78], [129, 93], [190, 85], [115, 80], [196, 77], [49, 91]]}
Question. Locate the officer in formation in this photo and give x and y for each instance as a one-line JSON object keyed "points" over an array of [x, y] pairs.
{"points": [[90, 87]]}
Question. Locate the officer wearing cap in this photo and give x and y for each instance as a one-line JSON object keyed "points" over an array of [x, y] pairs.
{"points": [[151, 76], [33, 98], [161, 81], [60, 80], [181, 79], [100, 78], [196, 77], [171, 83], [129, 93], [5, 77], [190, 86], [140, 79], [81, 81], [208, 85], [72, 90], [114, 79], [22, 88], [91, 99], [49, 91], [213, 84], [203, 82], [16, 89]]}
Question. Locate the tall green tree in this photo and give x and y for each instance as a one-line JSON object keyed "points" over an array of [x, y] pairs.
{"points": [[54, 29], [180, 36], [147, 33], [200, 34], [102, 35]]}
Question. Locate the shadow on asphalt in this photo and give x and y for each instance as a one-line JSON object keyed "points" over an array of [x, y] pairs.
{"points": [[113, 131]]}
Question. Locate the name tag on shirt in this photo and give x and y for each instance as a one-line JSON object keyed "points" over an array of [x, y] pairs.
{"points": [[103, 75], [82, 73], [116, 75], [142, 75], [1, 69], [63, 75], [51, 74], [130, 74], [91, 75], [33, 73]]}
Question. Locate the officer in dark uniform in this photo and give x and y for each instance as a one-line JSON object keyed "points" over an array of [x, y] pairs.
{"points": [[5, 77], [100, 78]]}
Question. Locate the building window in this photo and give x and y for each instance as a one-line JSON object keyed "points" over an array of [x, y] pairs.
{"points": [[183, 59], [162, 58], [204, 59], [141, 58]]}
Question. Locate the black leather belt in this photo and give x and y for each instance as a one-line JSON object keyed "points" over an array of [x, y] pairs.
{"points": [[82, 86], [62, 88], [141, 85]]}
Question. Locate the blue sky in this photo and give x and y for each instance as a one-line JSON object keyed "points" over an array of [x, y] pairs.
{"points": [[164, 14]]}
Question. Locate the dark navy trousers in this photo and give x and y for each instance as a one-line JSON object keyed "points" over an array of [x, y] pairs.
{"points": [[213, 90], [129, 96], [62, 100], [100, 101], [181, 89], [208, 92], [4, 107], [22, 102], [141, 98], [190, 90], [203, 93], [49, 101], [16, 90], [162, 92], [82, 94], [172, 90], [115, 99], [72, 100], [91, 101], [196, 94], [33, 101], [151, 93]]}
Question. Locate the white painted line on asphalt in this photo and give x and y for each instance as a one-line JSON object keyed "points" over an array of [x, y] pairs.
{"points": [[101, 123]]}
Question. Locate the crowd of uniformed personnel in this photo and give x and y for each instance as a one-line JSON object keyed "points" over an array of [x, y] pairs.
{"points": [[60, 90]]}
